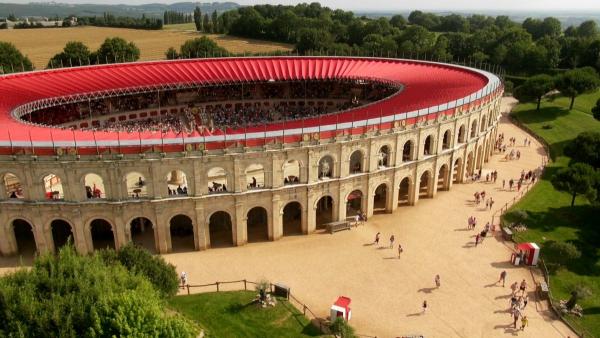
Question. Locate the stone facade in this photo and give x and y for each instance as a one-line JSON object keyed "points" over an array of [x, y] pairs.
{"points": [[458, 145]]}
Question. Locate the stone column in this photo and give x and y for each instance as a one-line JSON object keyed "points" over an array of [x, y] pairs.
{"points": [[312, 213], [277, 217], [369, 196], [241, 232], [200, 228]]}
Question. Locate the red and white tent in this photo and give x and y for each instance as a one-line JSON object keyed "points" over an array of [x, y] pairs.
{"points": [[531, 253], [341, 308]]}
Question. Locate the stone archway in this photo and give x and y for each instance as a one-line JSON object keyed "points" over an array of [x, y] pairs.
{"points": [[428, 146], [181, 228], [102, 234], [425, 185], [94, 186], [356, 162], [470, 164], [24, 238], [291, 172], [292, 219], [456, 178], [257, 225], [220, 230], [177, 183], [380, 199], [443, 178], [446, 140], [62, 233], [13, 187], [408, 151], [354, 203], [383, 157], [324, 213], [142, 233], [404, 192], [461, 134]]}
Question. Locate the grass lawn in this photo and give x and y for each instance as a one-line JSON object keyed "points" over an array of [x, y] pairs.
{"points": [[180, 27], [233, 314], [550, 215], [583, 102]]}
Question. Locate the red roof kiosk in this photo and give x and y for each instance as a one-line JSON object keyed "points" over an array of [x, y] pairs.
{"points": [[530, 253], [341, 308]]}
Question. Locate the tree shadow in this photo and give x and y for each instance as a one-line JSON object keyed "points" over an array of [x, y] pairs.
{"points": [[594, 310]]}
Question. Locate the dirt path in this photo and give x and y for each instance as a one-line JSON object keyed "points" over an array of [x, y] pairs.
{"points": [[387, 292]]}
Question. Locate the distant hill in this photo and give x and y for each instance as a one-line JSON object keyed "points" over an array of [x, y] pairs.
{"points": [[50, 9]]}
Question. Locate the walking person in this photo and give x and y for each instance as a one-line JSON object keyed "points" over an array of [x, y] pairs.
{"points": [[425, 307], [502, 277], [524, 323], [477, 238], [400, 250], [503, 184], [377, 238], [437, 281], [183, 279], [516, 315], [523, 287], [514, 287], [392, 242], [525, 301]]}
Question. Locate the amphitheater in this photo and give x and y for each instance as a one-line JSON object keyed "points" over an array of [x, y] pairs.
{"points": [[426, 127]]}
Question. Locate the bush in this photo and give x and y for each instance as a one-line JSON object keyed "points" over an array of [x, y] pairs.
{"points": [[519, 215], [340, 328], [557, 254]]}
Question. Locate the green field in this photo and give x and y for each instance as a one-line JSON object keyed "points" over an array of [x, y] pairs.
{"points": [[180, 27], [550, 214], [233, 314]]}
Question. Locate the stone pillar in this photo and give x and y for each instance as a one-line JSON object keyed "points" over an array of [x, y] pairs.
{"points": [[369, 196], [240, 233], [200, 228], [341, 204], [156, 182], [200, 184], [120, 228], [413, 191], [311, 213], [394, 191], [82, 236], [304, 219], [277, 217], [163, 238]]}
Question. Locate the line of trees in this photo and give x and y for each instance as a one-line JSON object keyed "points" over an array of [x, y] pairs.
{"points": [[210, 24], [112, 50], [109, 20], [174, 17]]}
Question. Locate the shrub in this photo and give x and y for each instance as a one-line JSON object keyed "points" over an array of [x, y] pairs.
{"points": [[558, 254], [340, 328]]}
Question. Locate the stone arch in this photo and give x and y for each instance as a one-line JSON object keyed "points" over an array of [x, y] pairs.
{"points": [[456, 170], [53, 187], [384, 156], [354, 202], [181, 230], [408, 151], [217, 180], [324, 211], [425, 184], [404, 191], [483, 123], [428, 148], [142, 232], [479, 157], [357, 162], [13, 188], [177, 183], [443, 182], [447, 139], [257, 224], [255, 176], [326, 167], [94, 186], [474, 128], [291, 172], [292, 218], [62, 233], [462, 133], [470, 164], [102, 234], [220, 229], [24, 234], [380, 196], [136, 185]]}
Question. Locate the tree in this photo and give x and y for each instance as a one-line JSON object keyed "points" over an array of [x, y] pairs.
{"points": [[172, 54], [398, 21], [588, 29], [206, 24], [596, 110], [215, 22], [585, 148], [198, 19], [313, 39], [534, 88], [200, 48], [341, 328], [11, 59], [115, 50], [75, 53], [576, 82], [558, 254], [577, 179]]}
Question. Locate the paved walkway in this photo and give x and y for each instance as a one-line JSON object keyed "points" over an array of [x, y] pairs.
{"points": [[387, 292]]}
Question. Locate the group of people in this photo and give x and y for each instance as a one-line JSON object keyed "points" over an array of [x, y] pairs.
{"points": [[178, 191], [391, 246]]}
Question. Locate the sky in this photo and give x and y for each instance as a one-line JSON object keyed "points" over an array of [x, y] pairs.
{"points": [[393, 5]]}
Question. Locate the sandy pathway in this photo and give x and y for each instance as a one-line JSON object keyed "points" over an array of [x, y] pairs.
{"points": [[387, 292]]}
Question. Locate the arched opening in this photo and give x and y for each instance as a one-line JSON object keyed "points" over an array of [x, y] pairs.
{"points": [[182, 233], [403, 192], [380, 199], [428, 146], [292, 219], [217, 180], [24, 237], [257, 225], [137, 187], [474, 129], [424, 184], [446, 140], [457, 170], [177, 183], [102, 234], [12, 186], [461, 134], [354, 203], [479, 160], [142, 233], [383, 157], [407, 151], [470, 163], [94, 186], [53, 187], [483, 124], [326, 167], [291, 172], [61, 232], [442, 183], [255, 176], [324, 212], [356, 162], [220, 230]]}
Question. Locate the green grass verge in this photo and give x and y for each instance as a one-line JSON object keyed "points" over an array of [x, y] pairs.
{"points": [[233, 314], [550, 214], [583, 103], [180, 27]]}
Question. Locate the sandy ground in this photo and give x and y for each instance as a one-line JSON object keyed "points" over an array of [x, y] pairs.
{"points": [[387, 292]]}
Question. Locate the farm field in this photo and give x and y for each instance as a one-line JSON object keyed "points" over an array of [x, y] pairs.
{"points": [[41, 44]]}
